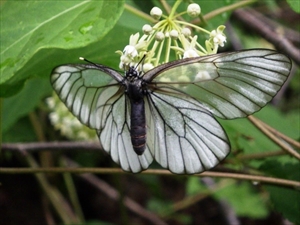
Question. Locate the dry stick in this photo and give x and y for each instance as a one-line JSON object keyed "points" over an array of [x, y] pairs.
{"points": [[58, 202], [270, 180], [114, 194], [256, 22], [71, 190], [272, 137], [52, 146], [261, 155], [191, 200], [277, 133]]}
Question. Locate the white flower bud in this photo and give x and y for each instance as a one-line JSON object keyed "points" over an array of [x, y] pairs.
{"points": [[147, 67], [218, 37], [147, 29], [193, 10], [159, 36], [190, 53], [174, 34], [130, 51], [186, 32], [156, 13]]}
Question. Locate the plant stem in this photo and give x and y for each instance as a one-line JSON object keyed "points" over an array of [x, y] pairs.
{"points": [[273, 137], [139, 13], [227, 8]]}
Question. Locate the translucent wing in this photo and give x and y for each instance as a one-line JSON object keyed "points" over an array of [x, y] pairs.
{"points": [[94, 95], [230, 85], [115, 135], [184, 137]]}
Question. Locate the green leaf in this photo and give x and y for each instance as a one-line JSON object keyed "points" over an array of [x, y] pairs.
{"points": [[24, 102], [68, 25], [245, 201], [194, 186], [284, 200], [21, 131], [295, 5], [244, 136], [102, 51]]}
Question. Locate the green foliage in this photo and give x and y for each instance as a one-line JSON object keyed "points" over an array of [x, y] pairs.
{"points": [[242, 197], [247, 139], [195, 186], [245, 201], [284, 200], [68, 25], [25, 101], [295, 5]]}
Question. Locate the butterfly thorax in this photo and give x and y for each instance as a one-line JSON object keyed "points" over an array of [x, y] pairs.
{"points": [[134, 85]]}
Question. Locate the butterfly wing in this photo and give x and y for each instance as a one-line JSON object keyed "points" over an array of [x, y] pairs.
{"points": [[230, 85], [185, 94], [185, 138], [94, 95], [115, 135]]}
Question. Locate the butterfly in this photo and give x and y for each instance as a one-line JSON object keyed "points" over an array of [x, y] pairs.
{"points": [[167, 113]]}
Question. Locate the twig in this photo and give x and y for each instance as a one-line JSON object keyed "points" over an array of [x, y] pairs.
{"points": [[278, 134], [224, 9], [53, 146], [114, 194], [58, 202], [257, 22], [273, 137], [270, 180], [260, 155]]}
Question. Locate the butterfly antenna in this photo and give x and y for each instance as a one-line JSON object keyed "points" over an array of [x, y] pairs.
{"points": [[140, 62], [86, 60]]}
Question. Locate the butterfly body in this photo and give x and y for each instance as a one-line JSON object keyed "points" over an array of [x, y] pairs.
{"points": [[173, 104], [135, 90]]}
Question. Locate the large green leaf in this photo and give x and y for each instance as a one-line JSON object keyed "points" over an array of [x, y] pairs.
{"points": [[102, 51], [31, 26]]}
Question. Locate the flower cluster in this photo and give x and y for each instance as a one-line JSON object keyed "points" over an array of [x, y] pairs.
{"points": [[68, 124], [170, 34]]}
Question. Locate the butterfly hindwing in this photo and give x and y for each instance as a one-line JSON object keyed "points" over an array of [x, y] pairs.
{"points": [[184, 137], [115, 135]]}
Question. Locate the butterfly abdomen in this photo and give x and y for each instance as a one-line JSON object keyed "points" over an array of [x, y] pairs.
{"points": [[138, 126]]}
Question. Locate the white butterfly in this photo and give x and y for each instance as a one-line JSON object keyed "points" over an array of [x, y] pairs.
{"points": [[167, 112]]}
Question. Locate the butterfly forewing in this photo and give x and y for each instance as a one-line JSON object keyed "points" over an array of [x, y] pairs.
{"points": [[230, 85], [80, 88], [97, 99]]}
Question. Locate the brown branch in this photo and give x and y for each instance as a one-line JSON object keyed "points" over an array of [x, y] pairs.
{"points": [[258, 22], [53, 146], [274, 136], [114, 195], [240, 176]]}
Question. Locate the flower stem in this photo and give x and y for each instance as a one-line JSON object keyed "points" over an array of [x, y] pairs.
{"points": [[139, 13]]}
